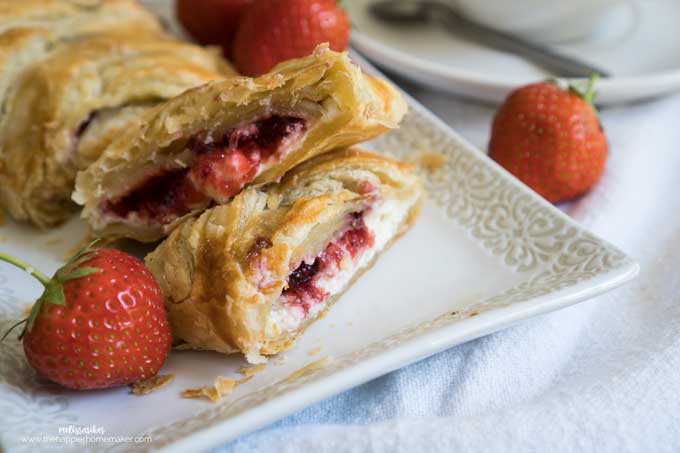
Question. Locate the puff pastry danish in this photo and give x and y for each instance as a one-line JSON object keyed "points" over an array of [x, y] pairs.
{"points": [[204, 146], [252, 274], [71, 74]]}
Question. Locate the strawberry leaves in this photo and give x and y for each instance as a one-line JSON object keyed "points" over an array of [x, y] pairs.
{"points": [[589, 94], [54, 287]]}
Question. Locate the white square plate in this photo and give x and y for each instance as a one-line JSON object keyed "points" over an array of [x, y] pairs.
{"points": [[485, 253]]}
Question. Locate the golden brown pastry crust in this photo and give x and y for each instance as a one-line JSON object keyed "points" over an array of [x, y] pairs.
{"points": [[221, 273], [63, 16], [61, 62], [343, 105]]}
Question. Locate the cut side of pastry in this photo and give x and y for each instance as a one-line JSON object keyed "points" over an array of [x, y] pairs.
{"points": [[252, 274], [204, 146], [73, 73]]}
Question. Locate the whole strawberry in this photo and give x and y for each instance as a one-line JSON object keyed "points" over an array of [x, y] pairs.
{"points": [[99, 323], [211, 21], [551, 139], [272, 31]]}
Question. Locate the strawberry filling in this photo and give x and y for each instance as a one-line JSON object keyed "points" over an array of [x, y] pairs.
{"points": [[218, 171], [307, 283]]}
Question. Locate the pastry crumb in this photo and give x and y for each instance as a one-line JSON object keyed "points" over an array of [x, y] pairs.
{"points": [[221, 387], [151, 384], [243, 380], [429, 161], [27, 310], [314, 351], [53, 241], [308, 369], [249, 371]]}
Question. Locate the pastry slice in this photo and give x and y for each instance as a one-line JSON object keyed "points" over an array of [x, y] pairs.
{"points": [[252, 274], [204, 146]]}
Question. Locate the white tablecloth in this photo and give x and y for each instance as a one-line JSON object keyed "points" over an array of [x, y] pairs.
{"points": [[600, 376]]}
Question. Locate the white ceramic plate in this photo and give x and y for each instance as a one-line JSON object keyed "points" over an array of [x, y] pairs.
{"points": [[486, 252], [639, 46]]}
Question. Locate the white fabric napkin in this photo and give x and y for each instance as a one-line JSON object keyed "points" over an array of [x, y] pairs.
{"points": [[600, 376]]}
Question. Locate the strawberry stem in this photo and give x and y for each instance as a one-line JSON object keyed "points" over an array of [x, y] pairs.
{"points": [[42, 278], [590, 90], [54, 287]]}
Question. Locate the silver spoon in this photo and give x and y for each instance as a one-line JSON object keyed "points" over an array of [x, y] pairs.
{"points": [[409, 12]]}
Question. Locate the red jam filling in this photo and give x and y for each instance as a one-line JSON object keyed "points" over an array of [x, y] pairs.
{"points": [[302, 288], [219, 171]]}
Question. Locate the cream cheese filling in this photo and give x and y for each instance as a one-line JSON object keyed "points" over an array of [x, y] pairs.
{"points": [[141, 220], [383, 222]]}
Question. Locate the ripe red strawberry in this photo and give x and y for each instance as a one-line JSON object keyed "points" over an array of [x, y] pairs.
{"points": [[273, 31], [211, 21], [99, 323], [551, 139]]}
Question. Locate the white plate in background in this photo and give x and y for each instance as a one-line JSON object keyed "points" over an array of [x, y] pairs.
{"points": [[640, 47]]}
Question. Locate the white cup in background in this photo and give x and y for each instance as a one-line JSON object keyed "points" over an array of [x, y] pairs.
{"points": [[541, 20]]}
